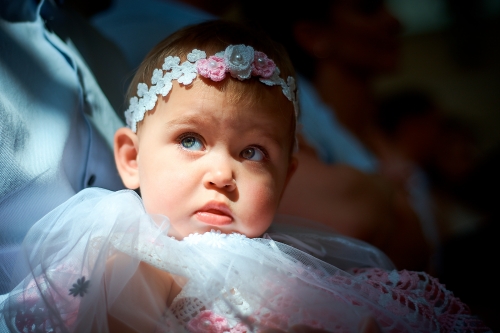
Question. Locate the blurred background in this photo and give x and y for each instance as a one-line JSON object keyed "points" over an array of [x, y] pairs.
{"points": [[451, 48], [451, 51]]}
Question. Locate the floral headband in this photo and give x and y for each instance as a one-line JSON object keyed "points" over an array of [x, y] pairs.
{"points": [[240, 61]]}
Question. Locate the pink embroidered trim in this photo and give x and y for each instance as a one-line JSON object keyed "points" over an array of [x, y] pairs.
{"points": [[208, 322], [421, 293]]}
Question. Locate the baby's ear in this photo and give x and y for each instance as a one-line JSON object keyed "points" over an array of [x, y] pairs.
{"points": [[126, 151]]}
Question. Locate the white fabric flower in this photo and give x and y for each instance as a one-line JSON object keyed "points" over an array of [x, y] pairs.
{"points": [[214, 238], [192, 239], [196, 55], [176, 73], [238, 237], [157, 76], [164, 86], [189, 72], [286, 90], [142, 89], [170, 62], [150, 99], [274, 79]]}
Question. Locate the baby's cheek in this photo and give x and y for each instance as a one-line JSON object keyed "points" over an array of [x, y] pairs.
{"points": [[261, 208], [263, 193], [160, 196], [154, 204]]}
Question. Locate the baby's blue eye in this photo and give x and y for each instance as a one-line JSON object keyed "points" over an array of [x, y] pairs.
{"points": [[191, 143], [253, 154]]}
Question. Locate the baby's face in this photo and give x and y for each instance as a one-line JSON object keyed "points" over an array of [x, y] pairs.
{"points": [[207, 163]]}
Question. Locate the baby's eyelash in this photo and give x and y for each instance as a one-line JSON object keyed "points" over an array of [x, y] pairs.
{"points": [[196, 144], [262, 149], [188, 134]]}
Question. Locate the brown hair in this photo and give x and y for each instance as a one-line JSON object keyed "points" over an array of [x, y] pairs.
{"points": [[214, 36]]}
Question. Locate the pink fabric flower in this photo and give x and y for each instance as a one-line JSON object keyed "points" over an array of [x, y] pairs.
{"points": [[262, 65], [208, 322], [213, 68]]}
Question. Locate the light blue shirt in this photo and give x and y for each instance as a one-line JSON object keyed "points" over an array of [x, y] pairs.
{"points": [[56, 126], [331, 140]]}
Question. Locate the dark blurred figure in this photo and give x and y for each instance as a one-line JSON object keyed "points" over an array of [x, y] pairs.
{"points": [[411, 120], [338, 48], [447, 150], [441, 146]]}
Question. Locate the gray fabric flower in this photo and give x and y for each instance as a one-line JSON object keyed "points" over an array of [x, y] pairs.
{"points": [[239, 59], [80, 287]]}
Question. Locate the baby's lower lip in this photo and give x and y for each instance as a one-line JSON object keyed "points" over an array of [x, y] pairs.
{"points": [[214, 217]]}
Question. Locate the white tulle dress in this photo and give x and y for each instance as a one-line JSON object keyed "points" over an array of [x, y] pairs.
{"points": [[80, 258]]}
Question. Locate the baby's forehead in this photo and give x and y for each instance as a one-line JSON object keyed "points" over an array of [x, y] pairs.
{"points": [[251, 100], [205, 105], [250, 91]]}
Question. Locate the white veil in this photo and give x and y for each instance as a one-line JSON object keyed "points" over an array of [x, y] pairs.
{"points": [[79, 271]]}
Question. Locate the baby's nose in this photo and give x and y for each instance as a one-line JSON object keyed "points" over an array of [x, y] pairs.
{"points": [[220, 174], [227, 183]]}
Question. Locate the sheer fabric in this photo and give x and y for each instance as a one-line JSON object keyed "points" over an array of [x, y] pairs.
{"points": [[82, 262]]}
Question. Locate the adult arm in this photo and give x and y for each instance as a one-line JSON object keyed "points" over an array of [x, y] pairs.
{"points": [[359, 205]]}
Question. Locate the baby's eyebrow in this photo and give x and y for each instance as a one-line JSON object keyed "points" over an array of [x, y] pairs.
{"points": [[268, 134], [275, 140], [185, 120]]}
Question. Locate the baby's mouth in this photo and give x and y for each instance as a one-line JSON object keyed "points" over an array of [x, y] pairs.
{"points": [[215, 213], [214, 217]]}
